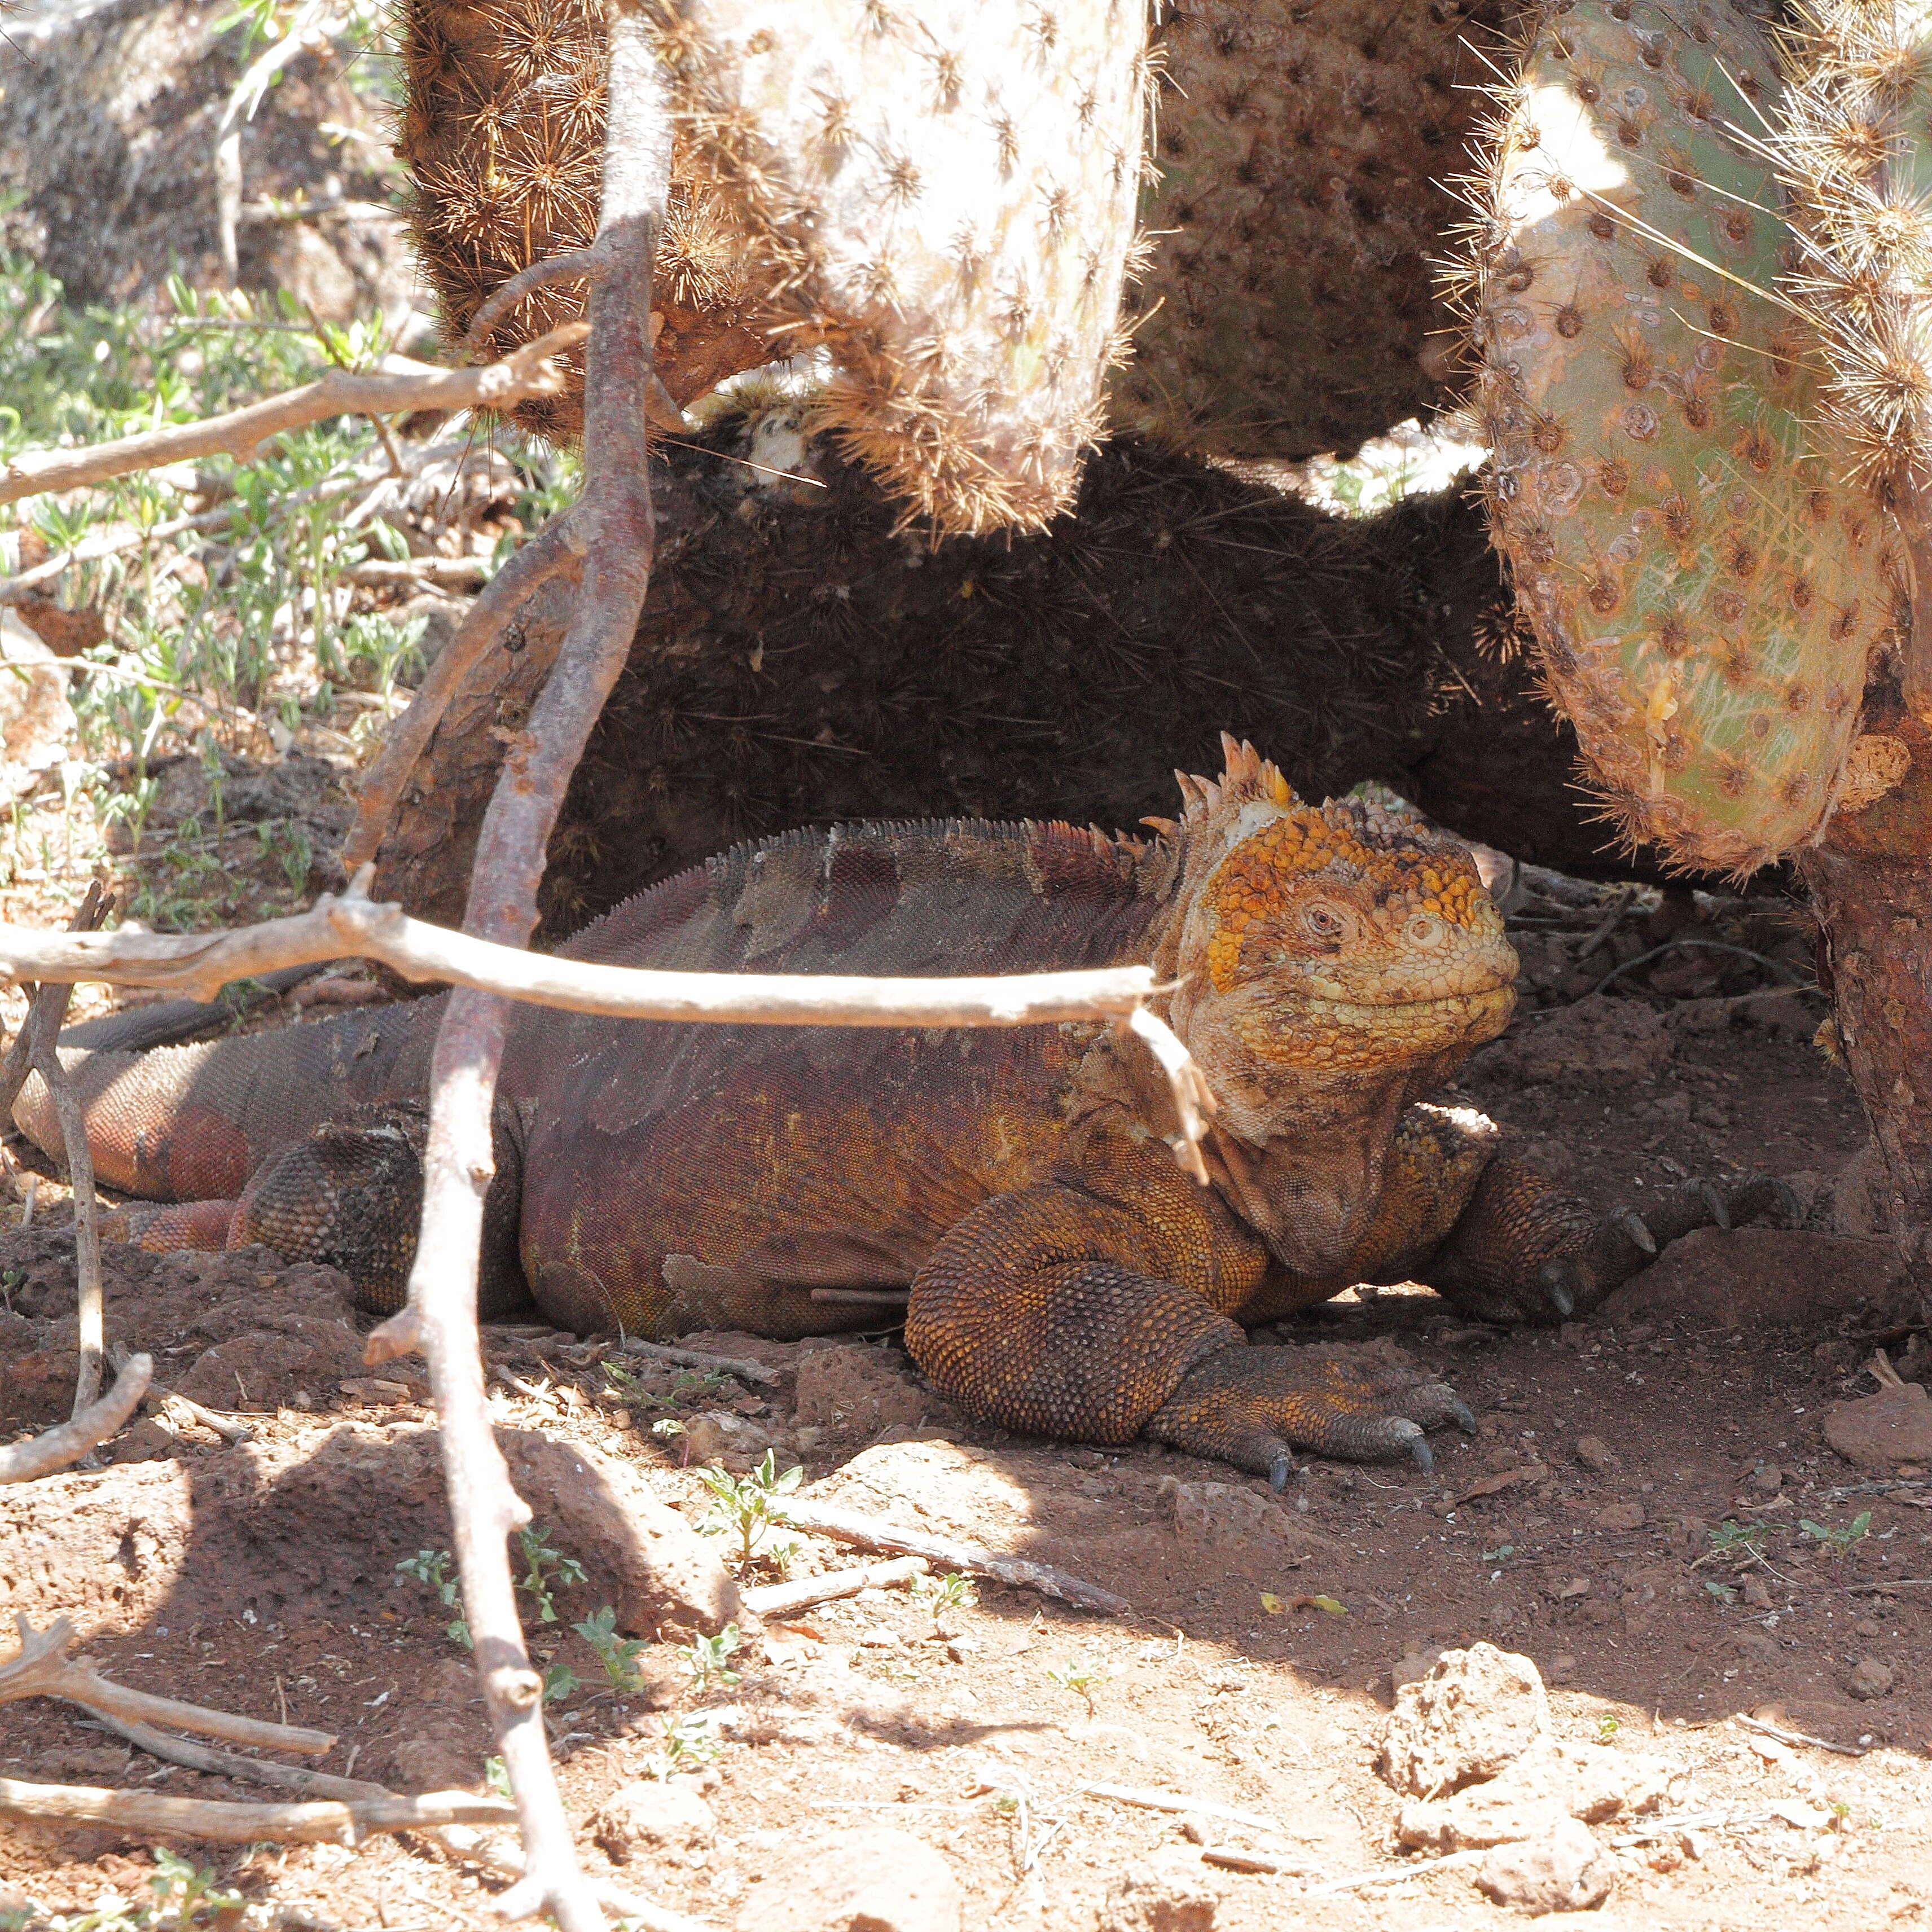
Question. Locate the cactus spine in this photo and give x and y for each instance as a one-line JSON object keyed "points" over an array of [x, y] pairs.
{"points": [[1706, 584]]}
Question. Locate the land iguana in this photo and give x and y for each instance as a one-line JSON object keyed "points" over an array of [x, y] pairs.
{"points": [[1331, 966]]}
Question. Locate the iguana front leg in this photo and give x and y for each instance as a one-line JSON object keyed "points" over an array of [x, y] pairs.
{"points": [[1523, 1250], [1097, 1305]]}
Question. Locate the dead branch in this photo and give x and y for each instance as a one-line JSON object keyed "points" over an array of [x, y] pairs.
{"points": [[745, 1369], [613, 520], [42, 1668], [1145, 1799], [403, 385], [232, 1764], [327, 1821], [42, 1030], [55, 1448], [555, 551], [782, 1599], [507, 1859], [199, 964], [573, 264], [869, 1533]]}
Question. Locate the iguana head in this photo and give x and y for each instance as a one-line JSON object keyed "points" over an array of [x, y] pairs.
{"points": [[1334, 961]]}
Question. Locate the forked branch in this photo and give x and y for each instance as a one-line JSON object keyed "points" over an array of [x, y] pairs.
{"points": [[403, 385], [65, 1445]]}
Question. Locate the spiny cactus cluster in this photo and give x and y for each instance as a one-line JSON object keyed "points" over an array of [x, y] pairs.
{"points": [[502, 126], [1707, 582], [1302, 156], [940, 193]]}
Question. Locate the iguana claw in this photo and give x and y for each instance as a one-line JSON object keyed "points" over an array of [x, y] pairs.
{"points": [[1720, 1213], [1424, 1456], [1633, 1224], [1463, 1416], [1553, 1277], [1280, 1470]]}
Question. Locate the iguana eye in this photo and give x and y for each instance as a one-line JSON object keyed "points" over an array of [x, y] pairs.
{"points": [[1322, 922]]}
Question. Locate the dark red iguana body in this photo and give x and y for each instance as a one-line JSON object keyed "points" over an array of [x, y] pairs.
{"points": [[1335, 965]]}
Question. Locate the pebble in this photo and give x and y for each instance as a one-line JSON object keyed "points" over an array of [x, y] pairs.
{"points": [[1870, 1678], [1165, 1896], [1594, 1453], [1768, 1477], [1621, 1516]]}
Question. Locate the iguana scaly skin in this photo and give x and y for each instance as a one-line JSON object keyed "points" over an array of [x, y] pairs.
{"points": [[1331, 965]]}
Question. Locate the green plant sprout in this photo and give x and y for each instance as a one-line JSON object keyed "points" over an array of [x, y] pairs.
{"points": [[618, 1654], [951, 1591], [750, 1507], [689, 1744], [1082, 1676], [437, 1567], [546, 1569], [1838, 1543], [709, 1661]]}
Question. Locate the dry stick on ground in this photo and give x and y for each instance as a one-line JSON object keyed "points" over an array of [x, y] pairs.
{"points": [[42, 1668], [412, 385], [327, 1821], [745, 1369], [1147, 1799], [782, 1599], [869, 1533], [614, 515], [58, 1447]]}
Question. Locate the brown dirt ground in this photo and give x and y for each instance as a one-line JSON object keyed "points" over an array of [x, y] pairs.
{"points": [[261, 1577]]}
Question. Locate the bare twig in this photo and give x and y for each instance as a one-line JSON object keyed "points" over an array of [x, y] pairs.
{"points": [[1395, 1874], [742, 1367], [617, 532], [558, 550], [326, 1821], [55, 1448], [44, 1018], [462, 572], [1147, 1799], [1785, 1737], [42, 1668], [573, 264], [353, 926], [528, 372], [1229, 1859], [232, 1764], [642, 1914], [869, 1533], [782, 1599]]}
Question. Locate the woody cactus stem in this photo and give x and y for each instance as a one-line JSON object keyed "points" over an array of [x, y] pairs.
{"points": [[615, 516]]}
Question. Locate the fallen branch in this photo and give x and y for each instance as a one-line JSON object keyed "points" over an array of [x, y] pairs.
{"points": [[1278, 1863], [1147, 1799], [58, 1447], [43, 1669], [1785, 1737], [869, 1533], [232, 1764], [742, 1367], [470, 572], [200, 963], [527, 372], [1361, 1881], [782, 1599], [327, 1821]]}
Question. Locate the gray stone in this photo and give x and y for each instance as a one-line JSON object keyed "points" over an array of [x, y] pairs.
{"points": [[1893, 1426], [1165, 1895], [1870, 1678], [1477, 1711]]}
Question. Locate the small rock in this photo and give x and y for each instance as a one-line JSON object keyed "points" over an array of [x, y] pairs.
{"points": [[855, 1391], [1755, 1594], [864, 1882], [653, 1815], [1621, 1516], [1222, 1516], [717, 1436], [1893, 1426], [1594, 1453], [1768, 1478], [1561, 1870], [1414, 1667], [1476, 1711], [1165, 1896], [1870, 1678]]}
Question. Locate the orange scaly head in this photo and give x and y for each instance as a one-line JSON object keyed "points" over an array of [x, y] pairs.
{"points": [[1323, 946]]}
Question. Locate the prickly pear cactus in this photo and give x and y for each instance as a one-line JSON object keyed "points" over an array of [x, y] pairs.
{"points": [[1301, 155], [502, 124], [1705, 583], [940, 194], [1857, 153]]}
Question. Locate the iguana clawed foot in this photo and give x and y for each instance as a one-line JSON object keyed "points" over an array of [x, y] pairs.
{"points": [[1253, 1406], [1580, 1276]]}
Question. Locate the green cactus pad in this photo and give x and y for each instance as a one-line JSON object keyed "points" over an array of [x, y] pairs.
{"points": [[1302, 158], [1705, 586]]}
